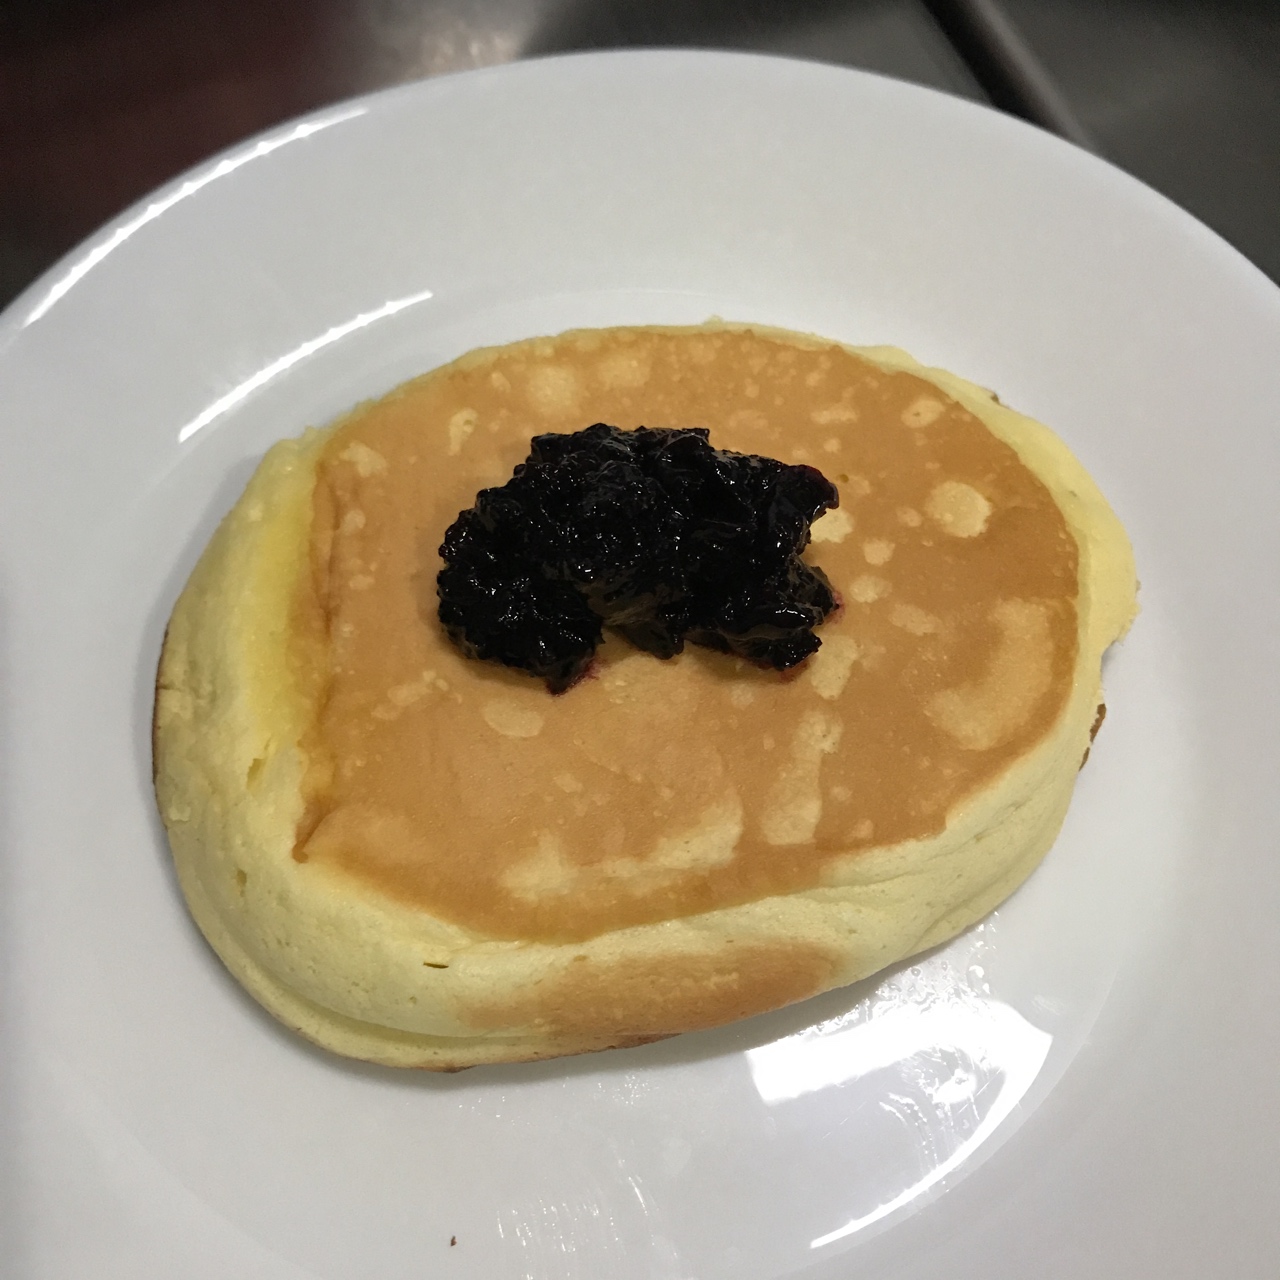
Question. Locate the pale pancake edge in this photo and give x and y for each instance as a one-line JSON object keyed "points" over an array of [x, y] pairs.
{"points": [[353, 959]]}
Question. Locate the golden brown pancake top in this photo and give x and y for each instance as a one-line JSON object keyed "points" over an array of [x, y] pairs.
{"points": [[659, 789]]}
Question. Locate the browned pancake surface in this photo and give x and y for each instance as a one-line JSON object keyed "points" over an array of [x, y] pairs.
{"points": [[661, 789]]}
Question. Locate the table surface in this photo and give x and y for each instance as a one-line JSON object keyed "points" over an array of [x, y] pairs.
{"points": [[105, 99]]}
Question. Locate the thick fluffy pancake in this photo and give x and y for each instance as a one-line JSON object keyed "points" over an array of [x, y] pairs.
{"points": [[424, 860]]}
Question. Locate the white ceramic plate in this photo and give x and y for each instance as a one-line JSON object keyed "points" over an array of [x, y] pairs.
{"points": [[1085, 1086]]}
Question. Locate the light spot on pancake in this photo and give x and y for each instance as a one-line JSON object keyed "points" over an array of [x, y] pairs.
{"points": [[709, 843], [367, 462], [400, 696], [747, 419], [801, 454], [255, 513], [553, 389], [511, 719], [461, 425], [989, 711], [405, 695], [741, 695], [499, 381], [353, 521], [624, 370], [833, 413], [859, 486], [545, 873], [868, 589], [959, 509], [864, 830], [872, 657], [361, 582], [794, 804], [835, 526], [750, 389], [703, 350], [568, 783], [814, 377], [922, 412], [877, 551], [913, 619], [910, 517], [831, 444], [177, 812], [841, 794], [828, 670], [627, 680]]}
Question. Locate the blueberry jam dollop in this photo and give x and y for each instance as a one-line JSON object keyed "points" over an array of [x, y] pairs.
{"points": [[654, 534]]}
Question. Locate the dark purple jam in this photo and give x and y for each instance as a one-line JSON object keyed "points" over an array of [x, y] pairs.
{"points": [[653, 534]]}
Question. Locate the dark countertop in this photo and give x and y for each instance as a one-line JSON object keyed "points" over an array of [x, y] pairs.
{"points": [[1184, 94], [105, 99]]}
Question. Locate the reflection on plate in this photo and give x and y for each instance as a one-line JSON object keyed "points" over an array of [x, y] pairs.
{"points": [[927, 1068], [154, 1123]]}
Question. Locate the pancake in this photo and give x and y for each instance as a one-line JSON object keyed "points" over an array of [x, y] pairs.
{"points": [[419, 859]]}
